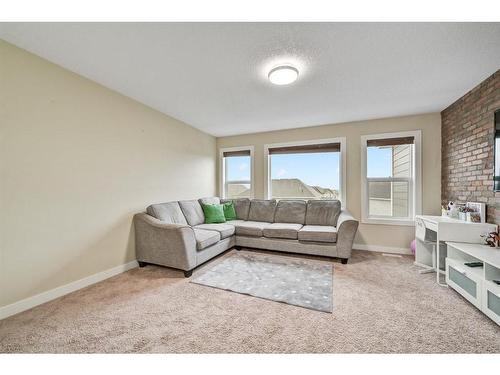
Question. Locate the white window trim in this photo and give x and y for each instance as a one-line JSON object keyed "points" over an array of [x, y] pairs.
{"points": [[417, 177], [222, 169], [342, 177]]}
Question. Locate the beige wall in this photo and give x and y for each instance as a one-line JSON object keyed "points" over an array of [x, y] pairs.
{"points": [[77, 160], [387, 236]]}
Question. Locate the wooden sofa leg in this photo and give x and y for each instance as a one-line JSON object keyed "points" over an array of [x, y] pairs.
{"points": [[188, 273], [142, 264], [344, 260]]}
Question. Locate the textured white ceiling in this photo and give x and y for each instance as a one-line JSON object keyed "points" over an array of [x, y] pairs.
{"points": [[214, 75]]}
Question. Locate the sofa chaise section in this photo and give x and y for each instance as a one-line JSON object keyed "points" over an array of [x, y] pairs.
{"points": [[315, 227]]}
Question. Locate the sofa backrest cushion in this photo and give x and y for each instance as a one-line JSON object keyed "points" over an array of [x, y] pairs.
{"points": [[262, 210], [323, 212], [169, 212], [241, 206], [193, 212], [209, 200], [288, 211]]}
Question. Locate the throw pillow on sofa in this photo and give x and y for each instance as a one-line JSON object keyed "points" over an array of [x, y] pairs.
{"points": [[229, 211], [214, 213]]}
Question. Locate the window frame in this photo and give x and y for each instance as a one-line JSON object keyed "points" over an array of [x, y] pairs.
{"points": [[415, 186], [342, 164], [223, 169]]}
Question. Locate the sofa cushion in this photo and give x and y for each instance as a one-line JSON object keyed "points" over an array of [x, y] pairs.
{"points": [[193, 212], [205, 238], [322, 212], [234, 222], [290, 211], [318, 233], [225, 230], [241, 206], [262, 210], [209, 200], [282, 230], [250, 228], [169, 212]]}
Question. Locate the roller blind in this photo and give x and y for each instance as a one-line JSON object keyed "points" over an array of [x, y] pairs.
{"points": [[305, 149], [390, 142], [236, 153]]}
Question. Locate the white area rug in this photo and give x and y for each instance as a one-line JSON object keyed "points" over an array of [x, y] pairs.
{"points": [[300, 282]]}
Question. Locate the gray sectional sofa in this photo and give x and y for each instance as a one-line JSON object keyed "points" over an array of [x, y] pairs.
{"points": [[174, 234]]}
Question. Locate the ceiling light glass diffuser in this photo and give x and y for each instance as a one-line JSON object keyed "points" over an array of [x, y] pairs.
{"points": [[283, 75]]}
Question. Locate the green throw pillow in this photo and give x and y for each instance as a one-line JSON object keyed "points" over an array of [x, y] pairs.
{"points": [[214, 213], [229, 211]]}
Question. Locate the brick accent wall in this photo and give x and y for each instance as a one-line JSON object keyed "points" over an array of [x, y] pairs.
{"points": [[467, 143]]}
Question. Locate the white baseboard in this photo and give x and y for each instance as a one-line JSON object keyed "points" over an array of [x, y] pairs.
{"points": [[383, 249], [49, 295]]}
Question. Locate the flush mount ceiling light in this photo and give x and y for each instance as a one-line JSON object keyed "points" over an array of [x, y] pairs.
{"points": [[283, 75]]}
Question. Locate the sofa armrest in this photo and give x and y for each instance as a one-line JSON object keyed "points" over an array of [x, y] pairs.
{"points": [[347, 227], [157, 242]]}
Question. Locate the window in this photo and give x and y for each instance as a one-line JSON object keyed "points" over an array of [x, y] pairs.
{"points": [[306, 170], [391, 186], [237, 172]]}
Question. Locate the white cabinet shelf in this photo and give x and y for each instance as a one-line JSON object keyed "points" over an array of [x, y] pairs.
{"points": [[475, 283], [431, 233], [491, 301]]}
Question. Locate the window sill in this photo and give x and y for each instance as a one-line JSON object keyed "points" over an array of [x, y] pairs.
{"points": [[380, 221]]}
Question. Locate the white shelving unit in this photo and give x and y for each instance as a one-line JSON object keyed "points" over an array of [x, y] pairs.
{"points": [[475, 284], [431, 233]]}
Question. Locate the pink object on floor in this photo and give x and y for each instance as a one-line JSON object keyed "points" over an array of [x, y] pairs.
{"points": [[413, 245]]}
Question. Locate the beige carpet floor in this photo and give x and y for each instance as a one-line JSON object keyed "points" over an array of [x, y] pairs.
{"points": [[381, 305]]}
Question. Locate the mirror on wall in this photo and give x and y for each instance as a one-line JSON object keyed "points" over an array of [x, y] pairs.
{"points": [[496, 185]]}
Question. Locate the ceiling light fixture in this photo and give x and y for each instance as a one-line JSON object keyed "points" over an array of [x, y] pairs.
{"points": [[283, 75]]}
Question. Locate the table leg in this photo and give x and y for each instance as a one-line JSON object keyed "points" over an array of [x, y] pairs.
{"points": [[438, 268]]}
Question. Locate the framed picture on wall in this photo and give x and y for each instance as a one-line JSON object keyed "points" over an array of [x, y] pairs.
{"points": [[478, 214]]}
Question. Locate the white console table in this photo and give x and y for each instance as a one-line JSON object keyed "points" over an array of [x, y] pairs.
{"points": [[431, 232], [475, 283]]}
